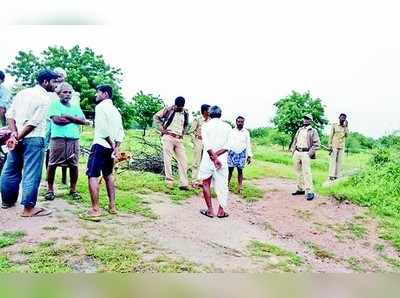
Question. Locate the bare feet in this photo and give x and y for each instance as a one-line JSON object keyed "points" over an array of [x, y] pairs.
{"points": [[94, 212]]}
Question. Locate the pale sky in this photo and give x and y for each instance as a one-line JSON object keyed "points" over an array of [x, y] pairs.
{"points": [[241, 55]]}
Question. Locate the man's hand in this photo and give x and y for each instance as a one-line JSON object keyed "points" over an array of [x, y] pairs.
{"points": [[89, 122], [11, 143], [248, 160], [217, 163]]}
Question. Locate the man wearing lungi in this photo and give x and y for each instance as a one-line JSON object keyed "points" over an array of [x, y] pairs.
{"points": [[240, 151], [64, 142], [214, 163]]}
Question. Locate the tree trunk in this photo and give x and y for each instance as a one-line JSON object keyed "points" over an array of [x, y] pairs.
{"points": [[144, 131]]}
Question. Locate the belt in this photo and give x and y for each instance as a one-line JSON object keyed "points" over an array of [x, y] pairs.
{"points": [[174, 135], [302, 149]]}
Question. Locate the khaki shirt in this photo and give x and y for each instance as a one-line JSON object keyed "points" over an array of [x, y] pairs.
{"points": [[176, 126], [338, 136], [195, 130], [302, 141]]}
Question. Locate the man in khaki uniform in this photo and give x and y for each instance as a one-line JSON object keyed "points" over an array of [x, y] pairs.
{"points": [[195, 132], [305, 144], [173, 123], [337, 142]]}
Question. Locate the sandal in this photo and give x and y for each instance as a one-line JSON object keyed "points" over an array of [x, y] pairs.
{"points": [[49, 196], [223, 216], [75, 195], [40, 212], [205, 212], [89, 217], [6, 206]]}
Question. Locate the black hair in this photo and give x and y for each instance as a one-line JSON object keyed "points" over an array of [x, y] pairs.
{"points": [[46, 75], [107, 89], [343, 114], [215, 112], [240, 117], [180, 102], [204, 108], [2, 76]]}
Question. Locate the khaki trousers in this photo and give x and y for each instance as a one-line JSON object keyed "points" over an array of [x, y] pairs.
{"points": [[335, 169], [175, 146], [302, 165], [198, 153]]}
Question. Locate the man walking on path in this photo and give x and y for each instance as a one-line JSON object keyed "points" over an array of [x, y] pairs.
{"points": [[337, 143], [305, 144], [197, 140], [214, 163], [240, 151], [64, 144], [108, 135], [5, 100], [27, 121], [173, 123]]}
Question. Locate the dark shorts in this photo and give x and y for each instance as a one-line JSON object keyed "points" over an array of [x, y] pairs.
{"points": [[64, 152], [100, 161]]}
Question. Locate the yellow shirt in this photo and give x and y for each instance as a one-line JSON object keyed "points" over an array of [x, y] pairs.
{"points": [[302, 141], [338, 136], [177, 123]]}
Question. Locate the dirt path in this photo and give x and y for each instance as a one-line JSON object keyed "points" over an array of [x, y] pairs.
{"points": [[328, 236]]}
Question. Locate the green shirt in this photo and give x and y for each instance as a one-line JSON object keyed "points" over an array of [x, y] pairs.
{"points": [[70, 130]]}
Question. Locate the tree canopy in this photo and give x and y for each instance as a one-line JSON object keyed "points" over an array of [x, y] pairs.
{"points": [[85, 70]]}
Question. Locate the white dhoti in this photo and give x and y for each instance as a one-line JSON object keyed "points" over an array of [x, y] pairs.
{"points": [[219, 177]]}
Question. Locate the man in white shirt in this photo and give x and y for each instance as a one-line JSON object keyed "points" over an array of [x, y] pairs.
{"points": [[5, 100], [108, 135], [214, 164], [240, 151], [27, 121]]}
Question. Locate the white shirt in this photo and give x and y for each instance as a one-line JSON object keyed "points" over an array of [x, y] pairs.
{"points": [[107, 123], [215, 134], [240, 141], [30, 107]]}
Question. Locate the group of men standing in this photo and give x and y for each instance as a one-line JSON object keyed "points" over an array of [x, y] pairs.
{"points": [[48, 115], [217, 148]]}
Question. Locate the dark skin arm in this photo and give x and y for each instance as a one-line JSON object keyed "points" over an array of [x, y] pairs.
{"points": [[60, 120], [75, 120], [214, 157]]}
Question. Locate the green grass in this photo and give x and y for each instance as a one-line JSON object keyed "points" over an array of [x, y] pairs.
{"points": [[287, 261], [357, 229], [319, 252], [10, 238], [6, 266], [47, 258], [355, 264]]}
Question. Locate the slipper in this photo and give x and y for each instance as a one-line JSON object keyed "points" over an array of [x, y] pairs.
{"points": [[205, 212], [89, 217], [49, 196], [40, 212], [112, 212], [223, 216], [75, 195], [6, 206]]}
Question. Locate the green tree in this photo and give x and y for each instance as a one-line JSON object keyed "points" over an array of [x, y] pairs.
{"points": [[144, 106], [85, 70], [291, 110], [280, 138]]}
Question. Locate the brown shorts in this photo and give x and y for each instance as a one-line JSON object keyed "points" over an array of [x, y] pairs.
{"points": [[64, 152]]}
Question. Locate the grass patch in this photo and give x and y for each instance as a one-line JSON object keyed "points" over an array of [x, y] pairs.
{"points": [[286, 261], [357, 230], [164, 264], [6, 266], [395, 263], [379, 248], [319, 252], [47, 258], [355, 264], [10, 238]]}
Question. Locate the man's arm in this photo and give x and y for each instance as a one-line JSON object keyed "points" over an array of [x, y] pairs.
{"points": [[331, 135], [60, 120], [76, 120], [157, 119], [316, 143]]}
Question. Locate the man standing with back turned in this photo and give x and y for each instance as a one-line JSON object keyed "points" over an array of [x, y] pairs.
{"points": [[337, 143], [304, 146]]}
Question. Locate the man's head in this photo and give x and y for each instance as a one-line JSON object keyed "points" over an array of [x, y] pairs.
{"points": [[204, 110], [64, 92], [240, 122], [179, 103], [47, 79], [307, 119], [103, 92], [2, 77], [215, 112], [62, 75], [342, 118]]}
